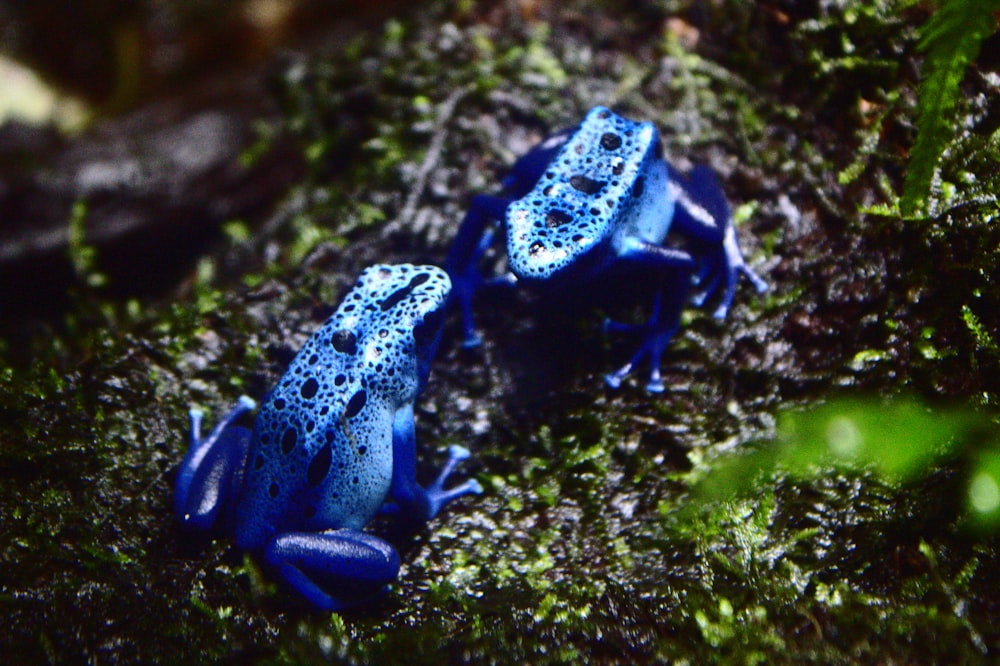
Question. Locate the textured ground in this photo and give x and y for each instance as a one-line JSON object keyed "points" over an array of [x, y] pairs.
{"points": [[590, 538]]}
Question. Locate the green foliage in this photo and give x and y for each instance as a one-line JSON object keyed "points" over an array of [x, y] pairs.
{"points": [[951, 40], [983, 497], [83, 256], [898, 441]]}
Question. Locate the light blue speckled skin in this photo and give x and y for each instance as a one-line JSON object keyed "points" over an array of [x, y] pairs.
{"points": [[598, 195], [332, 442]]}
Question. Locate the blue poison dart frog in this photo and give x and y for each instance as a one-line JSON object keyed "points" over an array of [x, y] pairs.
{"points": [[331, 447], [597, 196]]}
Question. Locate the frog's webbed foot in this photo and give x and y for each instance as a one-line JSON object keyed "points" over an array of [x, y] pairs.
{"points": [[210, 475], [336, 569], [436, 493], [657, 332]]}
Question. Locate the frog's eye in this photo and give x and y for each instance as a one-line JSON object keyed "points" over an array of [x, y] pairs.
{"points": [[638, 187]]}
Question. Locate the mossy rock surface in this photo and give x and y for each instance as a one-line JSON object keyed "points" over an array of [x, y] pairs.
{"points": [[580, 547]]}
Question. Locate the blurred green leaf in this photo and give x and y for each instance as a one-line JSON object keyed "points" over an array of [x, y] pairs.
{"points": [[897, 440], [983, 496], [951, 40]]}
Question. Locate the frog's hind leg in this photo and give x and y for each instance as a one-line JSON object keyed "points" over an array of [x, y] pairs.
{"points": [[702, 213], [210, 475], [475, 236], [336, 569]]}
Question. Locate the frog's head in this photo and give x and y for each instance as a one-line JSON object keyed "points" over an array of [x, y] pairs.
{"points": [[404, 313], [582, 199]]}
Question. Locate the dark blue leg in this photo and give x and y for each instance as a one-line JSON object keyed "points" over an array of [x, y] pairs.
{"points": [[702, 213], [474, 237], [478, 229], [413, 503], [211, 473], [675, 268], [335, 569]]}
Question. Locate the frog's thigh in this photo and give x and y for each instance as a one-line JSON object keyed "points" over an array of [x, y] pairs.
{"points": [[333, 569], [207, 483], [658, 256]]}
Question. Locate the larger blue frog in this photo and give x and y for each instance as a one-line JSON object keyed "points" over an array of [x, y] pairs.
{"points": [[597, 196], [332, 445]]}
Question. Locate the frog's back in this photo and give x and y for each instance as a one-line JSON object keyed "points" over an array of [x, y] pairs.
{"points": [[321, 455], [584, 196]]}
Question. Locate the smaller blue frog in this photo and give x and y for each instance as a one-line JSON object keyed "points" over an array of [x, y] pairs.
{"points": [[597, 197], [332, 446]]}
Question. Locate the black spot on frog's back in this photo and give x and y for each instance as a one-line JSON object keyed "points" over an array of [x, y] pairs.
{"points": [[586, 185], [556, 218], [401, 293], [344, 341], [309, 388], [289, 440], [355, 404], [611, 141], [319, 466]]}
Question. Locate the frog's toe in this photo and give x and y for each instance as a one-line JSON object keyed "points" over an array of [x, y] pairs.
{"points": [[472, 341], [614, 379], [655, 386], [759, 284], [458, 453]]}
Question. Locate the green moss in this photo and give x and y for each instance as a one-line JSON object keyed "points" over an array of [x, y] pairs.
{"points": [[585, 545]]}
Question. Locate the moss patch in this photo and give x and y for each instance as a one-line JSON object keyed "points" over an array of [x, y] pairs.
{"points": [[579, 547]]}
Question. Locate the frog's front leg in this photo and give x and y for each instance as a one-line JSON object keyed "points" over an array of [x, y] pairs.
{"points": [[412, 503], [210, 476], [478, 229], [702, 213], [335, 569], [675, 268], [474, 238]]}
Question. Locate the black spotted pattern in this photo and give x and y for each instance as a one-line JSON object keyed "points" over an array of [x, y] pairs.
{"points": [[289, 439], [344, 341], [319, 466], [586, 185], [401, 293], [557, 218], [321, 448], [611, 141], [355, 404], [309, 388], [583, 196]]}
